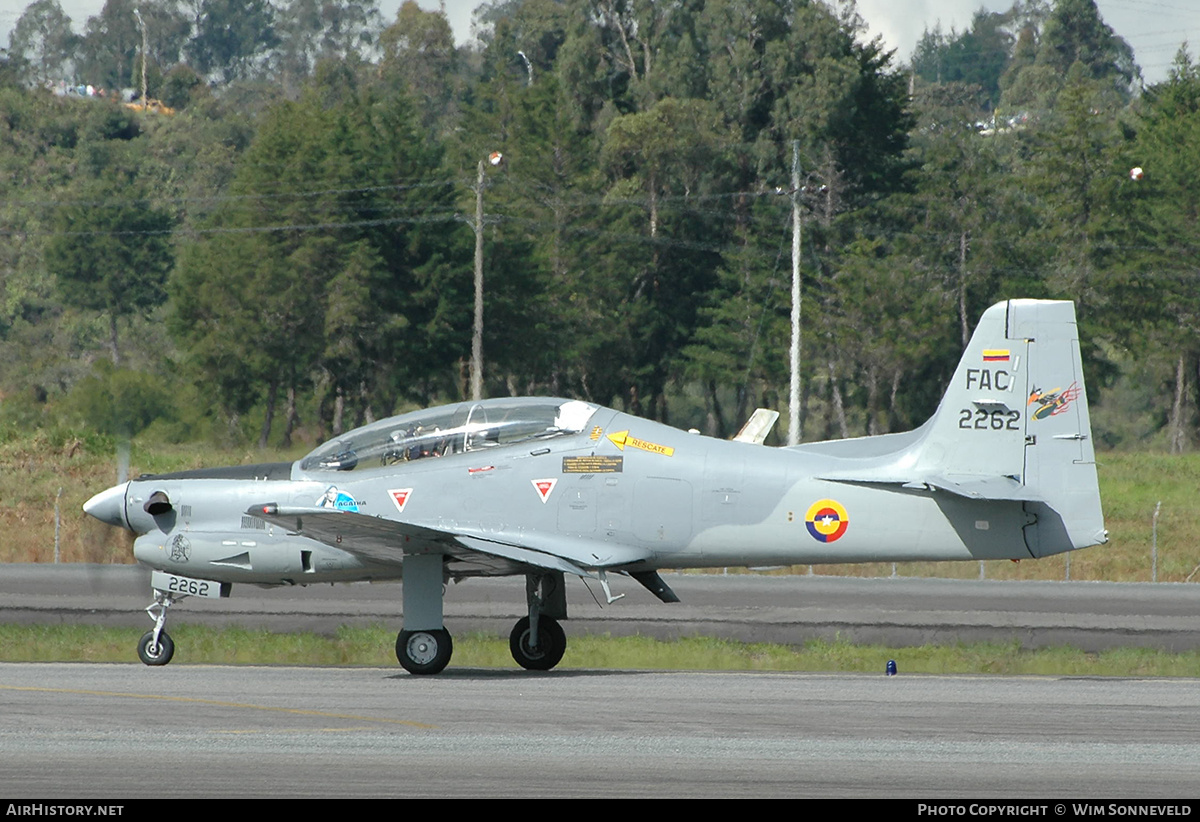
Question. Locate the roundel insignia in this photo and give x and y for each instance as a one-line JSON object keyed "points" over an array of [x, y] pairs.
{"points": [[827, 520]]}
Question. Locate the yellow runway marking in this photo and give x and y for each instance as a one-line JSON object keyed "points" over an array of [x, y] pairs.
{"points": [[243, 731], [219, 704]]}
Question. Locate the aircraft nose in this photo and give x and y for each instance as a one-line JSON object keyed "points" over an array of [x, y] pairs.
{"points": [[109, 506]]}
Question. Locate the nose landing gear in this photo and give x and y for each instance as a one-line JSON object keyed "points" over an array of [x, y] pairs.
{"points": [[156, 647]]}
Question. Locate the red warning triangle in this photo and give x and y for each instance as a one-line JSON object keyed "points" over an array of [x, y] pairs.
{"points": [[400, 497], [544, 487]]}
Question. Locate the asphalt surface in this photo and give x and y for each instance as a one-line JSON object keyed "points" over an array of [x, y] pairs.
{"points": [[120, 732]]}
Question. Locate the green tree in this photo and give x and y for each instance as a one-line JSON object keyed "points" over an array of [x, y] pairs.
{"points": [[977, 56], [119, 401], [736, 354], [111, 43], [660, 161], [231, 37], [335, 218], [44, 41], [1157, 291], [1074, 170], [957, 220], [111, 251], [418, 53], [1073, 33], [313, 30]]}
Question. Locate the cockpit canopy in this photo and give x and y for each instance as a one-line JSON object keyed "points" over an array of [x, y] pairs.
{"points": [[450, 430]]}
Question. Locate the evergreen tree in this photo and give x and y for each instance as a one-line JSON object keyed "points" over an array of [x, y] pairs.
{"points": [[1073, 33], [977, 56], [111, 251], [1159, 302], [336, 218], [232, 37], [43, 40]]}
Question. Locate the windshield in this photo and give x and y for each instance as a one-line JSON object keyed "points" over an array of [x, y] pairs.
{"points": [[450, 430]]}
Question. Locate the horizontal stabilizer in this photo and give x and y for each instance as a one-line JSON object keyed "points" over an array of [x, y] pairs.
{"points": [[993, 488], [969, 486]]}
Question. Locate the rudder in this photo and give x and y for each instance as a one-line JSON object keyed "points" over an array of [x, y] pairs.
{"points": [[1060, 458]]}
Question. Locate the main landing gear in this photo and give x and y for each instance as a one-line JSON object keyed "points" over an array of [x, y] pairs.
{"points": [[428, 652], [537, 641], [539, 652]]}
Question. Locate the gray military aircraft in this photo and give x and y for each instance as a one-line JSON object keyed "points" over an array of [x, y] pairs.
{"points": [[1004, 469]]}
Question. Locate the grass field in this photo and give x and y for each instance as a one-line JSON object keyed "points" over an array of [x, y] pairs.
{"points": [[372, 647]]}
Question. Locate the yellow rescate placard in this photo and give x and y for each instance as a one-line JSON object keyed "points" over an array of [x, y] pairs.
{"points": [[622, 439]]}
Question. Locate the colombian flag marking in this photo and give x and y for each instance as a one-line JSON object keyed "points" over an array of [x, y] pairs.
{"points": [[827, 520]]}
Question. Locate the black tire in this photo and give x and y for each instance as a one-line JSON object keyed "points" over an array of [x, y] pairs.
{"points": [[424, 652], [552, 644], [156, 654]]}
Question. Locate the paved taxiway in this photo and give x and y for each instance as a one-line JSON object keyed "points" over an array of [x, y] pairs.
{"points": [[125, 731]]}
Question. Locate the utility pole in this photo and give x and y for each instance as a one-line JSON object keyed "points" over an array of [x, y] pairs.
{"points": [[794, 392], [142, 25], [477, 334], [495, 159]]}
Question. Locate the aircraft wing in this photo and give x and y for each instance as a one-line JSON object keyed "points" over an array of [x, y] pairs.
{"points": [[383, 540]]}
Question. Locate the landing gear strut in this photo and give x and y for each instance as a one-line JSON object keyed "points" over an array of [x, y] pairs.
{"points": [[156, 647], [424, 646], [537, 642]]}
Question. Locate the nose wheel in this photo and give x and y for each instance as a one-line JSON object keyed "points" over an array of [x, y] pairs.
{"points": [[156, 651]]}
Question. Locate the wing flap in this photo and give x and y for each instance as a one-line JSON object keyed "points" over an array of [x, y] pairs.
{"points": [[522, 555]]}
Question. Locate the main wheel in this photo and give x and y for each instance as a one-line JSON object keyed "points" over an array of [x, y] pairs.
{"points": [[424, 652], [552, 644], [159, 654]]}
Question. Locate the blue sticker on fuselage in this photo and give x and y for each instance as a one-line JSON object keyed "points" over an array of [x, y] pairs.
{"points": [[340, 500]]}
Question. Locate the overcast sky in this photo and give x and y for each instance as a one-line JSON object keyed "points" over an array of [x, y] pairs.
{"points": [[1155, 28]]}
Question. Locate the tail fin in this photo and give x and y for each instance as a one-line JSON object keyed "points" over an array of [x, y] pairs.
{"points": [[1014, 424]]}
